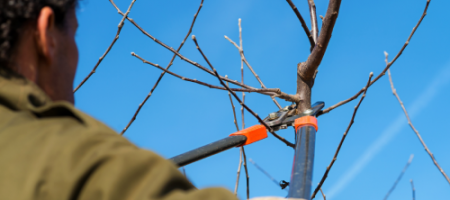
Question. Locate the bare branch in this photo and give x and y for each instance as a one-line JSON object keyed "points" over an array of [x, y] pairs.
{"points": [[400, 176], [242, 75], [385, 69], [238, 172], [119, 29], [306, 70], [267, 91], [232, 42], [316, 56], [323, 194], [241, 51], [286, 97], [240, 101], [264, 172], [234, 111], [243, 120], [240, 151], [343, 138], [242, 81], [413, 190], [163, 73], [243, 59], [415, 130], [302, 21], [246, 172], [314, 26], [181, 56]]}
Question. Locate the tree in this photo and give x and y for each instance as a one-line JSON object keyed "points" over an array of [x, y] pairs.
{"points": [[284, 71]]}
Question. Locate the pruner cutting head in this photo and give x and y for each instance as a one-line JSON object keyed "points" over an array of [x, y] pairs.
{"points": [[286, 116]]}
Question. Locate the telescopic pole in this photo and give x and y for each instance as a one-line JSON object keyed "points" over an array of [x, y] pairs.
{"points": [[302, 169]]}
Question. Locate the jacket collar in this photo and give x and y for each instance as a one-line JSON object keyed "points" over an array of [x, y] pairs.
{"points": [[21, 94]]}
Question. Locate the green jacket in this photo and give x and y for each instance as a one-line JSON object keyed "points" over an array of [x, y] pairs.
{"points": [[52, 151]]}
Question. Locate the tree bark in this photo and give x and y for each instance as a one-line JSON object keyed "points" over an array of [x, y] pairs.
{"points": [[304, 86], [306, 71]]}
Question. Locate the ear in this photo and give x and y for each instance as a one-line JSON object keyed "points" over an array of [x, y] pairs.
{"points": [[45, 34]]}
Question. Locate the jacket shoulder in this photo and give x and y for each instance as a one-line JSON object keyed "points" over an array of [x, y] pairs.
{"points": [[57, 117]]}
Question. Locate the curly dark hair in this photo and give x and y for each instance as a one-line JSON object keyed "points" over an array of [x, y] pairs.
{"points": [[15, 14]]}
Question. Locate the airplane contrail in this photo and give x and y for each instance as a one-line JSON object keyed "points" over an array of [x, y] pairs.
{"points": [[391, 131]]}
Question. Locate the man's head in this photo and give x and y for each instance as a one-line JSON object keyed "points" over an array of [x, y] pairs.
{"points": [[37, 41]]}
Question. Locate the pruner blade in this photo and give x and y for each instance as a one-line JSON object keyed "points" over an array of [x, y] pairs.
{"points": [[285, 117]]}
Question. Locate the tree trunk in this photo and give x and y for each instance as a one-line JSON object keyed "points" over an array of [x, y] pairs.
{"points": [[304, 86]]}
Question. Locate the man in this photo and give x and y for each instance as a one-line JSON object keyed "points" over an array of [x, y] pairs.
{"points": [[49, 149]]}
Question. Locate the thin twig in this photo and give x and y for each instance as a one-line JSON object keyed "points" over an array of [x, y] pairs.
{"points": [[267, 91], [414, 129], [323, 194], [314, 26], [162, 73], [413, 190], [181, 56], [242, 113], [242, 81], [234, 111], [343, 138], [240, 150], [302, 21], [239, 100], [246, 172], [119, 29], [400, 176], [385, 69], [184, 172], [243, 59], [264, 172], [282, 95], [238, 172]]}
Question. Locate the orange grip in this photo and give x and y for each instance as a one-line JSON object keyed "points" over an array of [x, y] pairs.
{"points": [[253, 134], [306, 121]]}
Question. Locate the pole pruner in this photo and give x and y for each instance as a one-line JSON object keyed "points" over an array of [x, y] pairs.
{"points": [[281, 119]]}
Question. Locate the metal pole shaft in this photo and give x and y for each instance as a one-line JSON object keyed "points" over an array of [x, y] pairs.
{"points": [[208, 150], [302, 169]]}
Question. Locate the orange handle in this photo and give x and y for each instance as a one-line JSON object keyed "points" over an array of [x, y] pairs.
{"points": [[306, 121], [253, 134]]}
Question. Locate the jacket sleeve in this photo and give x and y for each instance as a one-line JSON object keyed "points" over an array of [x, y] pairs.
{"points": [[108, 167]]}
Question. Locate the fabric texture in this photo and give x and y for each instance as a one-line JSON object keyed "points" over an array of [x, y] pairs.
{"points": [[52, 151]]}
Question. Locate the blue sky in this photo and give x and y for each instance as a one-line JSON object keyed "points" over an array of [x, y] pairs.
{"points": [[181, 115]]}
